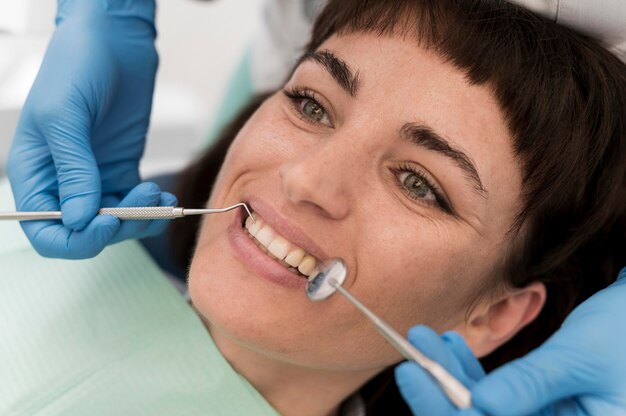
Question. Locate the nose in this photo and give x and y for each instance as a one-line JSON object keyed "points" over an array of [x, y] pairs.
{"points": [[321, 180]]}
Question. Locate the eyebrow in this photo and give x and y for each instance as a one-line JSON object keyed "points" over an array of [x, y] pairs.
{"points": [[424, 136], [337, 68], [417, 134]]}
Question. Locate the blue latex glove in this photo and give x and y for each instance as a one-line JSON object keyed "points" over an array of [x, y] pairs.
{"points": [[580, 370], [82, 130], [418, 389]]}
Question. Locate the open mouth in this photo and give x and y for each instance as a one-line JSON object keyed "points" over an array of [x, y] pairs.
{"points": [[289, 255]]}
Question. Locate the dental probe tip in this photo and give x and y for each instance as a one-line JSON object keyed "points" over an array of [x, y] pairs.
{"points": [[245, 206]]}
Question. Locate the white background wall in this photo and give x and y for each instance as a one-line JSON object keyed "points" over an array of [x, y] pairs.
{"points": [[200, 45]]}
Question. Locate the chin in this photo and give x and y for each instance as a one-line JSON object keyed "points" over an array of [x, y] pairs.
{"points": [[312, 335], [241, 306]]}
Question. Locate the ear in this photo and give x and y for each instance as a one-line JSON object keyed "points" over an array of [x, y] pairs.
{"points": [[489, 326]]}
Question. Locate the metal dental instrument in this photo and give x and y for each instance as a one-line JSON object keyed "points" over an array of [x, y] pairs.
{"points": [[328, 277], [130, 213]]}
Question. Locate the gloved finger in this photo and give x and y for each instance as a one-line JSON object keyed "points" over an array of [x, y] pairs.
{"points": [[157, 227], [31, 171], [33, 179], [421, 392], [143, 195], [433, 346], [423, 395], [471, 366], [529, 384], [470, 412], [110, 201], [77, 171], [52, 239], [117, 176]]}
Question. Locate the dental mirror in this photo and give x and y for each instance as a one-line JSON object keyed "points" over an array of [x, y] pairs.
{"points": [[327, 279], [319, 286]]}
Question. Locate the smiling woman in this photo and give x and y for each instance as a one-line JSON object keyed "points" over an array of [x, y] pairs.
{"points": [[465, 158]]}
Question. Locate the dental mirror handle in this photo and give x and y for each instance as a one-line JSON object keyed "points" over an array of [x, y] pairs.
{"points": [[458, 394]]}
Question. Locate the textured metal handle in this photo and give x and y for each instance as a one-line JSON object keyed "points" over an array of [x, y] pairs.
{"points": [[128, 213], [143, 213]]}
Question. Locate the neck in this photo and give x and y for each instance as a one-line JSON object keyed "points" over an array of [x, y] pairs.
{"points": [[291, 389]]}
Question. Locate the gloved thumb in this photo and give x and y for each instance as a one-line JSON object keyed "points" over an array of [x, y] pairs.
{"points": [[78, 176], [529, 384]]}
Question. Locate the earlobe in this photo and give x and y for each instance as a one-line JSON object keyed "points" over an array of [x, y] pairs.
{"points": [[491, 326]]}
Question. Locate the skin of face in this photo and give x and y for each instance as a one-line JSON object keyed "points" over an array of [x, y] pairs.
{"points": [[339, 180]]}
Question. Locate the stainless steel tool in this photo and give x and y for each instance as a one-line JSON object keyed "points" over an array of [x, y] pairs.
{"points": [[327, 279], [130, 213]]}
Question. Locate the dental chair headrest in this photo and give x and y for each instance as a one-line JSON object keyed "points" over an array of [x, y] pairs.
{"points": [[604, 20]]}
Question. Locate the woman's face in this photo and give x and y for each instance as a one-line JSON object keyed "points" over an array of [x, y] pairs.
{"points": [[380, 153]]}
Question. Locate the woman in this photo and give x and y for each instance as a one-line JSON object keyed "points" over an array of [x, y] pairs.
{"points": [[471, 147], [463, 158]]}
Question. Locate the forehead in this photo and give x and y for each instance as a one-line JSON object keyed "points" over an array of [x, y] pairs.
{"points": [[404, 82], [391, 67]]}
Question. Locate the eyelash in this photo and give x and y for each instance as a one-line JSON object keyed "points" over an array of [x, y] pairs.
{"points": [[440, 201], [296, 95]]}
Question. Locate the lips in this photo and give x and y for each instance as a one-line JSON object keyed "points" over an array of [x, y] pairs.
{"points": [[286, 228], [283, 238]]}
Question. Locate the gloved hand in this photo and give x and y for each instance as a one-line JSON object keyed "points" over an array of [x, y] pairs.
{"points": [[83, 126], [580, 370], [419, 390]]}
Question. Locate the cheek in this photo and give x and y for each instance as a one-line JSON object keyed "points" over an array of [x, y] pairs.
{"points": [[423, 274], [256, 152], [266, 136]]}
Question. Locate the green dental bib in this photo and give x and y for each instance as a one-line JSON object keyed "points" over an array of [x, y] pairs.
{"points": [[106, 336]]}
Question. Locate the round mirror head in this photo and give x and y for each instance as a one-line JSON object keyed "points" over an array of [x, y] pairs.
{"points": [[319, 287]]}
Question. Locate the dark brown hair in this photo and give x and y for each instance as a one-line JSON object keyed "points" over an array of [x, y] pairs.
{"points": [[564, 98]]}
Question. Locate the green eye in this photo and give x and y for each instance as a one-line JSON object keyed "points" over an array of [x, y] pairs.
{"points": [[307, 107], [313, 110], [417, 186]]}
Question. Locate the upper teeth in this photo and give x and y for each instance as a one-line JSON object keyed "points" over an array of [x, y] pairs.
{"points": [[279, 247]]}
